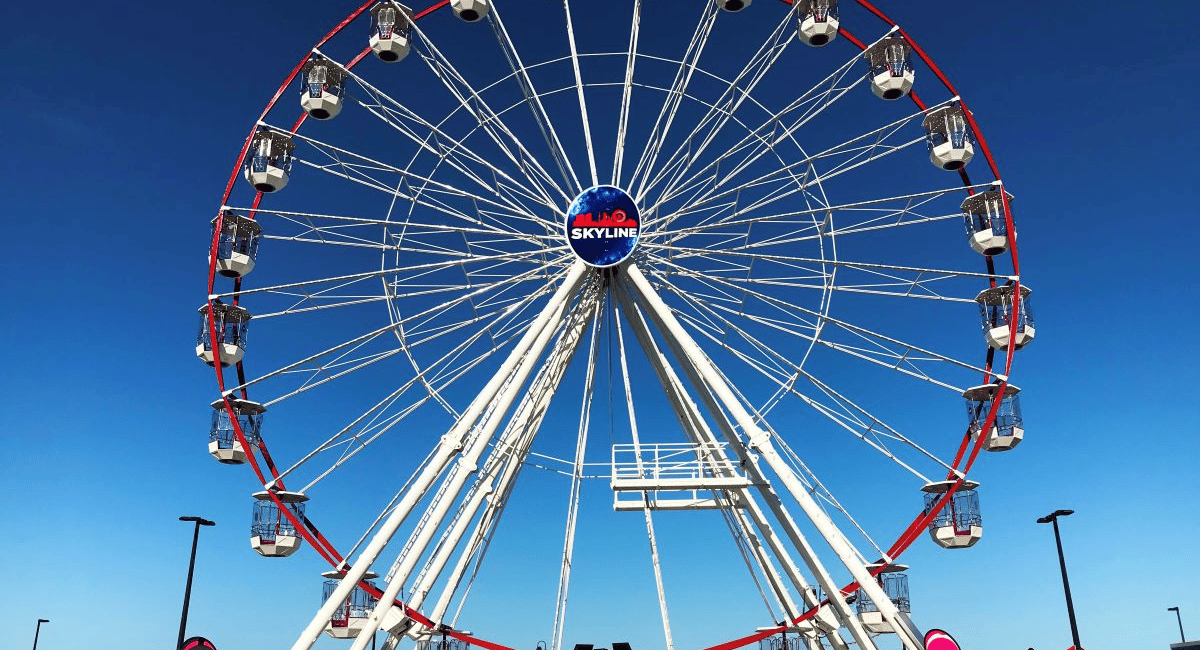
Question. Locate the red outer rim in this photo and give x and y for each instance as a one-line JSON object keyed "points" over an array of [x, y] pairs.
{"points": [[325, 549]]}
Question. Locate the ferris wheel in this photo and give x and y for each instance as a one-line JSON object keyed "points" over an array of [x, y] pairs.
{"points": [[693, 255]]}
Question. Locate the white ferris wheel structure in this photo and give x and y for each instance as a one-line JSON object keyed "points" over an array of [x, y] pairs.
{"points": [[498, 232]]}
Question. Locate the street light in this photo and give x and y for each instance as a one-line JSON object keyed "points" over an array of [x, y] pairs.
{"points": [[39, 631], [1052, 518], [1182, 639], [187, 591]]}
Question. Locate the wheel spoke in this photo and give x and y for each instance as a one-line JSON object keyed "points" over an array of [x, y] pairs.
{"points": [[730, 101], [583, 109], [471, 101], [545, 125], [627, 89], [683, 76]]}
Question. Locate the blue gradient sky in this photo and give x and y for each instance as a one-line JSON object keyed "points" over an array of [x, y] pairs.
{"points": [[123, 121]]}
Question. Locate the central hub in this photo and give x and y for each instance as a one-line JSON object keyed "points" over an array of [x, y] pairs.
{"points": [[603, 226]]}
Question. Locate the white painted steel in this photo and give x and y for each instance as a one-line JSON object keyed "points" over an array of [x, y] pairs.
{"points": [[447, 448], [325, 106], [503, 466], [581, 437], [749, 511], [844, 613], [633, 431], [761, 443], [666, 116], [476, 436], [468, 97], [583, 109], [534, 99], [236, 265], [231, 353], [627, 88], [532, 196]]}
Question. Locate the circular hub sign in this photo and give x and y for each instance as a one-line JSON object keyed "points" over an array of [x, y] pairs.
{"points": [[603, 226]]}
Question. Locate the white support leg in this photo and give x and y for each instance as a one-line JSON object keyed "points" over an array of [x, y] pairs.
{"points": [[654, 559], [696, 361], [698, 431], [450, 445], [503, 466], [468, 464]]}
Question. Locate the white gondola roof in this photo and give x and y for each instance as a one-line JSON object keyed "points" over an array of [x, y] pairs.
{"points": [[1000, 295], [941, 487], [277, 138], [987, 392], [241, 405], [405, 11], [250, 226], [877, 53], [334, 574], [286, 497], [231, 312], [334, 73], [935, 121], [805, 5], [974, 204]]}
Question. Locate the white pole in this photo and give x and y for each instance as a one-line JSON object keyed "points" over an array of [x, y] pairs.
{"points": [[761, 443], [468, 464], [500, 469], [689, 416], [633, 431], [448, 446]]}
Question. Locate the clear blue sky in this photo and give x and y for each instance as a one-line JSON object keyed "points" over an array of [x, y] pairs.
{"points": [[124, 120]]}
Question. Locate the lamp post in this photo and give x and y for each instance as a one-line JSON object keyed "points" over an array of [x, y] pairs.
{"points": [[187, 591], [39, 631], [1182, 639], [1052, 518]]}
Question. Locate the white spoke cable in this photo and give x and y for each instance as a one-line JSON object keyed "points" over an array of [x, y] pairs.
{"points": [[717, 461], [508, 462], [544, 123], [666, 115], [435, 133], [863, 332], [387, 510], [495, 397], [503, 464], [823, 229], [577, 476], [855, 155], [789, 387], [507, 450], [623, 118], [814, 101], [678, 252], [536, 175], [304, 221], [309, 384], [783, 194], [583, 110], [731, 99], [461, 261], [804, 473], [746, 512], [336, 153], [359, 340], [726, 411], [633, 431]]}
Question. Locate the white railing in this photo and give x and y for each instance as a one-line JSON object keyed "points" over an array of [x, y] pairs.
{"points": [[673, 475]]}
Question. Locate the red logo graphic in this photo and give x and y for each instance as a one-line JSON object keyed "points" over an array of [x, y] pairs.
{"points": [[617, 219]]}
